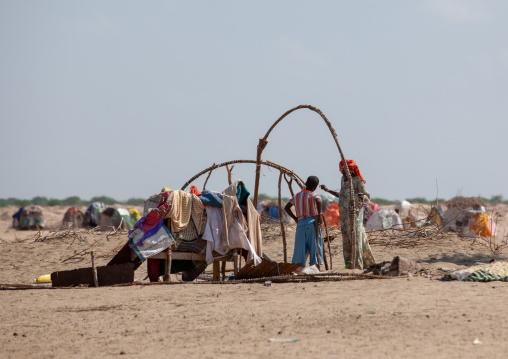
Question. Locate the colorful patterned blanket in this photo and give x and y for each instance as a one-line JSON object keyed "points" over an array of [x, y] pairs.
{"points": [[482, 273]]}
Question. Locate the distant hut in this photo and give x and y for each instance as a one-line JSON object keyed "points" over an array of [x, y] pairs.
{"points": [[73, 218], [30, 217]]}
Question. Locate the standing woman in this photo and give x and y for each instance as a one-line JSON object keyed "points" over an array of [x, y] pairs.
{"points": [[364, 256]]}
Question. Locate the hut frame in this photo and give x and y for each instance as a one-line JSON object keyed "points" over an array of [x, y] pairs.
{"points": [[284, 172]]}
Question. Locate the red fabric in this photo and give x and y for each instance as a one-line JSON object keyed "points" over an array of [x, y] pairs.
{"points": [[153, 266], [374, 207], [353, 167], [151, 220], [332, 214], [195, 191], [158, 214]]}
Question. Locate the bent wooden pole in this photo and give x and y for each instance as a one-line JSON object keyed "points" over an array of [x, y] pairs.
{"points": [[264, 141], [282, 229], [299, 181]]}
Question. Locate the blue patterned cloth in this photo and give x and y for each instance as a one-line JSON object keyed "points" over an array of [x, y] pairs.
{"points": [[212, 199]]}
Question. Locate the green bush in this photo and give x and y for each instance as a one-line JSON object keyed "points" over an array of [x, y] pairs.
{"points": [[40, 201], [136, 201], [104, 199], [73, 201], [55, 202]]}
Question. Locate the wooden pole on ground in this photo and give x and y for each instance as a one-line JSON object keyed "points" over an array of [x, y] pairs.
{"points": [[94, 271]]}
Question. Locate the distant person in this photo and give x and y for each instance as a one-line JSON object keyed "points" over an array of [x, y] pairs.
{"points": [[364, 256], [307, 205]]}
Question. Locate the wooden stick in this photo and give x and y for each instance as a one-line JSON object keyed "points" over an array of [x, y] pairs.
{"points": [[229, 174], [289, 184], [167, 274], [235, 263], [324, 255], [216, 270], [223, 270], [328, 240], [299, 181], [282, 229], [207, 177], [94, 271], [261, 146], [317, 244], [240, 259]]}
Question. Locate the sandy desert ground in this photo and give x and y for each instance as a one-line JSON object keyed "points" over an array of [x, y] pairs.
{"points": [[418, 316]]}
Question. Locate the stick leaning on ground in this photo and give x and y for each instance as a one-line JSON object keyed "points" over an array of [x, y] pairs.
{"points": [[316, 226]]}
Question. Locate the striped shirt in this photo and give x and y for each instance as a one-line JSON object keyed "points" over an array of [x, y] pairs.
{"points": [[305, 204]]}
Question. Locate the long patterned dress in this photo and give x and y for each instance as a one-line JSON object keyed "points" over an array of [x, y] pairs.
{"points": [[364, 256]]}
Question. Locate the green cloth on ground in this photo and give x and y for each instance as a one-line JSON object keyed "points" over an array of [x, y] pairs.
{"points": [[484, 276]]}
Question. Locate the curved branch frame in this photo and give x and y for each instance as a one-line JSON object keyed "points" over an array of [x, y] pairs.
{"points": [[264, 141], [283, 169]]}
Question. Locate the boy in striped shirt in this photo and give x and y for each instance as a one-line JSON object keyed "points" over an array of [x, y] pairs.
{"points": [[308, 214]]}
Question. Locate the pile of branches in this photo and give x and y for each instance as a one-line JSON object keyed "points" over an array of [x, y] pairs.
{"points": [[462, 202], [426, 234], [73, 233], [410, 237]]}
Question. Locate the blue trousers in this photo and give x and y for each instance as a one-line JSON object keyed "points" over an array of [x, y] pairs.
{"points": [[305, 241]]}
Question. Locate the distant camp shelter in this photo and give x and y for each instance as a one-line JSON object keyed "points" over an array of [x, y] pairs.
{"points": [[92, 216], [468, 216], [30, 217], [73, 217], [118, 217]]}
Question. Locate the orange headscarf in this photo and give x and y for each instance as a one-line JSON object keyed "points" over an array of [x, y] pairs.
{"points": [[353, 167]]}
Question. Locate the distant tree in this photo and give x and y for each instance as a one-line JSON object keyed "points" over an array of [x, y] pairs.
{"points": [[136, 201], [103, 199], [3, 202], [40, 201], [22, 202], [484, 199], [262, 197], [73, 201], [496, 199], [55, 202], [12, 201]]}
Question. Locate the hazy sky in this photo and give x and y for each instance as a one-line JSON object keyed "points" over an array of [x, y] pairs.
{"points": [[121, 98]]}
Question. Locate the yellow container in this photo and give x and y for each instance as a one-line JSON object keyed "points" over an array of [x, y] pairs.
{"points": [[46, 278]]}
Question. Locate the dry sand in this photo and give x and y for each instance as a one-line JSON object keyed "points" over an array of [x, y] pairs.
{"points": [[420, 316]]}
